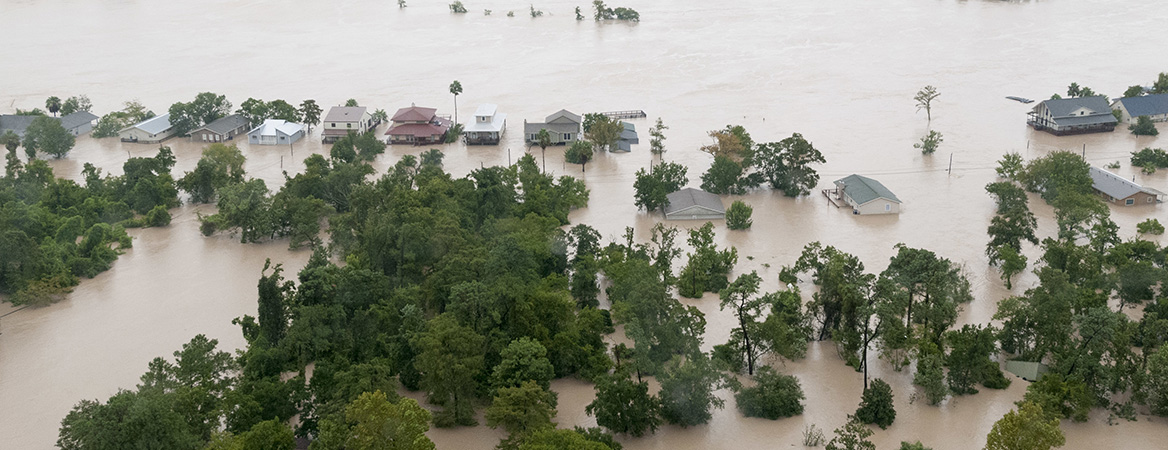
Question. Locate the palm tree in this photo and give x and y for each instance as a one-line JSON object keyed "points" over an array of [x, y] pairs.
{"points": [[53, 104], [455, 88], [545, 139]]}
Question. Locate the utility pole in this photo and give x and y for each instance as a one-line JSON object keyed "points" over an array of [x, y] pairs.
{"points": [[950, 169]]}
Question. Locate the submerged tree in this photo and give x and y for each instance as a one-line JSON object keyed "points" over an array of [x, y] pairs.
{"points": [[924, 99], [786, 164], [929, 142], [1025, 429]]}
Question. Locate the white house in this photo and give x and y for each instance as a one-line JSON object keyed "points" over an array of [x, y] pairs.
{"points": [[340, 120], [1072, 116], [866, 196], [488, 126], [275, 132], [153, 130]]}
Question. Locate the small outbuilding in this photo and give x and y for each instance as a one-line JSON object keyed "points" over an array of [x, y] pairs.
{"points": [[150, 131], [488, 126], [1029, 371], [628, 137], [1154, 106], [1076, 115], [275, 132], [694, 204], [1116, 189], [866, 196], [224, 129]]}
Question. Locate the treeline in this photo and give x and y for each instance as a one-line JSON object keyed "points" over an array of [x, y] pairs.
{"points": [[56, 230]]}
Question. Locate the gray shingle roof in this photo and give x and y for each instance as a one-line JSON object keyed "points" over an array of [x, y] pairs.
{"points": [[153, 125], [77, 119], [1063, 107], [563, 113], [690, 197], [863, 189], [1115, 185], [17, 124], [1147, 105], [226, 124], [345, 114]]}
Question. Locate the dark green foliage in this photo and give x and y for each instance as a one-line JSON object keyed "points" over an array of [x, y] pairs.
{"points": [[625, 406], [738, 215], [158, 217], [450, 361], [687, 391], [969, 362], [219, 166], [786, 164], [578, 439], [843, 289], [876, 405], [930, 374], [45, 134], [1057, 173], [853, 435], [913, 446], [110, 124], [1060, 398], [522, 409], [603, 12], [268, 435], [1150, 226], [740, 295], [1013, 223], [1150, 159], [1143, 127], [728, 177], [773, 396], [1156, 388], [708, 267], [207, 107], [580, 152], [653, 186], [523, 360]]}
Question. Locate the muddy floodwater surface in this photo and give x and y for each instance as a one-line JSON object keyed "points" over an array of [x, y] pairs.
{"points": [[842, 73]]}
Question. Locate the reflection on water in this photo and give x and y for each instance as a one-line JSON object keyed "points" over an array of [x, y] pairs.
{"points": [[842, 73]]}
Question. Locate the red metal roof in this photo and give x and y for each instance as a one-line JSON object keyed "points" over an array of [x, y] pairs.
{"points": [[420, 130], [414, 114]]}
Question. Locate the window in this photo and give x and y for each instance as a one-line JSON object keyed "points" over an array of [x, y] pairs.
{"points": [[567, 136], [1130, 201], [888, 207], [1151, 199], [282, 138], [204, 137], [334, 125], [348, 125]]}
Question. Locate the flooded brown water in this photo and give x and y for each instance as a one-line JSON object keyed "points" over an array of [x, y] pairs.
{"points": [[842, 73]]}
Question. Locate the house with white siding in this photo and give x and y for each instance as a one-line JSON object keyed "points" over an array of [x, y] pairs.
{"points": [[341, 120], [275, 132], [487, 128], [150, 131], [1076, 115], [1154, 106], [866, 196]]}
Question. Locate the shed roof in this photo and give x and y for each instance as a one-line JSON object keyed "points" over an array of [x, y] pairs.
{"points": [[690, 197], [225, 125], [1115, 185], [153, 125], [486, 109], [414, 114], [1146, 105], [863, 189], [76, 119], [345, 114], [275, 127]]}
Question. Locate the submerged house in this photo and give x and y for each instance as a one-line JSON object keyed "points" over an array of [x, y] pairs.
{"points": [[563, 126], [866, 196], [224, 129], [76, 123], [488, 126], [628, 138], [341, 120], [275, 132], [150, 131], [1116, 189], [691, 204], [1154, 106], [1072, 116], [417, 126]]}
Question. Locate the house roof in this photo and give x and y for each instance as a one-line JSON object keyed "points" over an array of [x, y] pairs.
{"points": [[496, 124], [1116, 186], [414, 114], [345, 114], [275, 127], [863, 189], [1147, 105], [225, 124], [486, 109], [153, 125], [17, 124], [79, 118], [690, 197], [561, 114], [534, 127], [629, 133], [1064, 107]]}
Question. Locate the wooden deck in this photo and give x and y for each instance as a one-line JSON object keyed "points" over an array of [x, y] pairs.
{"points": [[828, 193], [630, 114]]}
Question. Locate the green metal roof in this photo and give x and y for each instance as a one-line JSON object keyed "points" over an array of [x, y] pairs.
{"points": [[863, 189]]}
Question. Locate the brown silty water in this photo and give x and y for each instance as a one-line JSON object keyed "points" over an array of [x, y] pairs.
{"points": [[842, 73]]}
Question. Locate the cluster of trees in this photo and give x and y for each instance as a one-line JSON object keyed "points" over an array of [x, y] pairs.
{"points": [[1074, 90], [1074, 319], [109, 124], [44, 134], [603, 12], [1149, 159], [255, 111], [56, 230], [785, 165], [1143, 126], [207, 107], [68, 106], [1160, 86]]}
